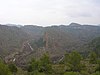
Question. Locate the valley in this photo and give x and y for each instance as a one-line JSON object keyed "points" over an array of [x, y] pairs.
{"points": [[19, 45]]}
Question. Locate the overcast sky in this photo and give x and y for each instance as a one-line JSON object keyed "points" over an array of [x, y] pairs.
{"points": [[49, 12]]}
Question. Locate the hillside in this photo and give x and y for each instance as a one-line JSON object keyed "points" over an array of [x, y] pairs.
{"points": [[34, 31], [67, 38], [58, 39], [11, 39], [94, 45], [23, 43]]}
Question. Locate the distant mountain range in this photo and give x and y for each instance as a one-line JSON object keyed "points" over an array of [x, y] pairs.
{"points": [[12, 25], [53, 39]]}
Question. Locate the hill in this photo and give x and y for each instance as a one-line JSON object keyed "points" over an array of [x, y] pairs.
{"points": [[11, 39], [23, 43], [94, 45]]}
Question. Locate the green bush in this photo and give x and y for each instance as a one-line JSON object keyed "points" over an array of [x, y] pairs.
{"points": [[71, 73], [34, 65], [97, 73], [74, 61], [98, 67], [45, 64], [93, 58], [4, 70], [12, 68], [84, 73], [36, 73], [42, 65]]}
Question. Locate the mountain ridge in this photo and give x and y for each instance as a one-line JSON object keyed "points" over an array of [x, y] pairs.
{"points": [[53, 39]]}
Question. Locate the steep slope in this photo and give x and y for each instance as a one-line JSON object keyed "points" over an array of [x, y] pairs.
{"points": [[59, 39], [34, 31], [72, 37], [11, 39], [94, 45]]}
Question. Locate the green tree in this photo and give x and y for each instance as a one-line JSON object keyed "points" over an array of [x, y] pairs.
{"points": [[13, 68], [43, 65], [92, 58], [46, 64], [98, 67], [34, 65], [4, 70], [75, 61]]}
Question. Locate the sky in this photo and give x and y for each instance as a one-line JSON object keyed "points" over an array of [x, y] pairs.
{"points": [[49, 12]]}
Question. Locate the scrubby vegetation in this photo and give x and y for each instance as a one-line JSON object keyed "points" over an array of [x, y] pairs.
{"points": [[72, 64]]}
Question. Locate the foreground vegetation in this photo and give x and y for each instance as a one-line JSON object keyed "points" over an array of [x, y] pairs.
{"points": [[72, 64]]}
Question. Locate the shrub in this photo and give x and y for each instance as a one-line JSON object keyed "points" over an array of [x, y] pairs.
{"points": [[71, 73]]}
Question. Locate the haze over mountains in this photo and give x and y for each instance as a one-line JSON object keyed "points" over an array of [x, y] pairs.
{"points": [[28, 41]]}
